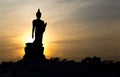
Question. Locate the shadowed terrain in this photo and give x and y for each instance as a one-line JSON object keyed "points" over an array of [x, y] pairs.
{"points": [[56, 67]]}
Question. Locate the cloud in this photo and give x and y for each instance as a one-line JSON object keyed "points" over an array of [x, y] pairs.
{"points": [[98, 12], [9, 48]]}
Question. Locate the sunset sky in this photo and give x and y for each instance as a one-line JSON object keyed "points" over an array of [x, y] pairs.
{"points": [[76, 28]]}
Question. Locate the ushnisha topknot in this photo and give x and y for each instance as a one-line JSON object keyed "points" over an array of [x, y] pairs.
{"points": [[38, 13]]}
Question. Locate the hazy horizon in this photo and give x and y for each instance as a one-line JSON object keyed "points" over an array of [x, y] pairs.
{"points": [[76, 28]]}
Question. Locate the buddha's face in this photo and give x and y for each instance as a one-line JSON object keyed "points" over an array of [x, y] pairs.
{"points": [[38, 16]]}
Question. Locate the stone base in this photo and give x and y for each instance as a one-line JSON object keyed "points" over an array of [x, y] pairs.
{"points": [[33, 51]]}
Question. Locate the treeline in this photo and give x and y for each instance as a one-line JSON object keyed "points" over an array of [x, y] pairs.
{"points": [[88, 67], [88, 60]]}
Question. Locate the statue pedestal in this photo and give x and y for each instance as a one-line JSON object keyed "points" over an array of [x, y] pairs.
{"points": [[34, 51]]}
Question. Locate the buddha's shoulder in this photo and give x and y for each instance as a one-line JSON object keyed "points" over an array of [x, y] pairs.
{"points": [[36, 20]]}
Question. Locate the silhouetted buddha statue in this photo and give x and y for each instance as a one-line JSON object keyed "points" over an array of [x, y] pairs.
{"points": [[35, 50], [38, 29]]}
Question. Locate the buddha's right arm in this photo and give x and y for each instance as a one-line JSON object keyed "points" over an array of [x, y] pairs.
{"points": [[33, 29]]}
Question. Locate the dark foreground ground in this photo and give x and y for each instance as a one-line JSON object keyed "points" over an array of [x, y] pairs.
{"points": [[54, 67]]}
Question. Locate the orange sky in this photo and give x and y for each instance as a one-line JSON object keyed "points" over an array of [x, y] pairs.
{"points": [[76, 28]]}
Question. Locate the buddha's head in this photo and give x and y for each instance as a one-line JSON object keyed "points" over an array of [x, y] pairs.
{"points": [[38, 14]]}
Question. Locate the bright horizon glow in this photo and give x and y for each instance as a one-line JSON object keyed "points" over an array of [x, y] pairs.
{"points": [[30, 40]]}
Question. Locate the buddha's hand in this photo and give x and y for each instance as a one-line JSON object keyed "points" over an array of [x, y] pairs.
{"points": [[32, 36], [45, 24]]}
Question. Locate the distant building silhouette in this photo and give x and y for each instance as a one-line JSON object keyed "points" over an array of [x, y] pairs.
{"points": [[35, 50]]}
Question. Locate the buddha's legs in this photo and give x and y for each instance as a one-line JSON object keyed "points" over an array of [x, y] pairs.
{"points": [[38, 39]]}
